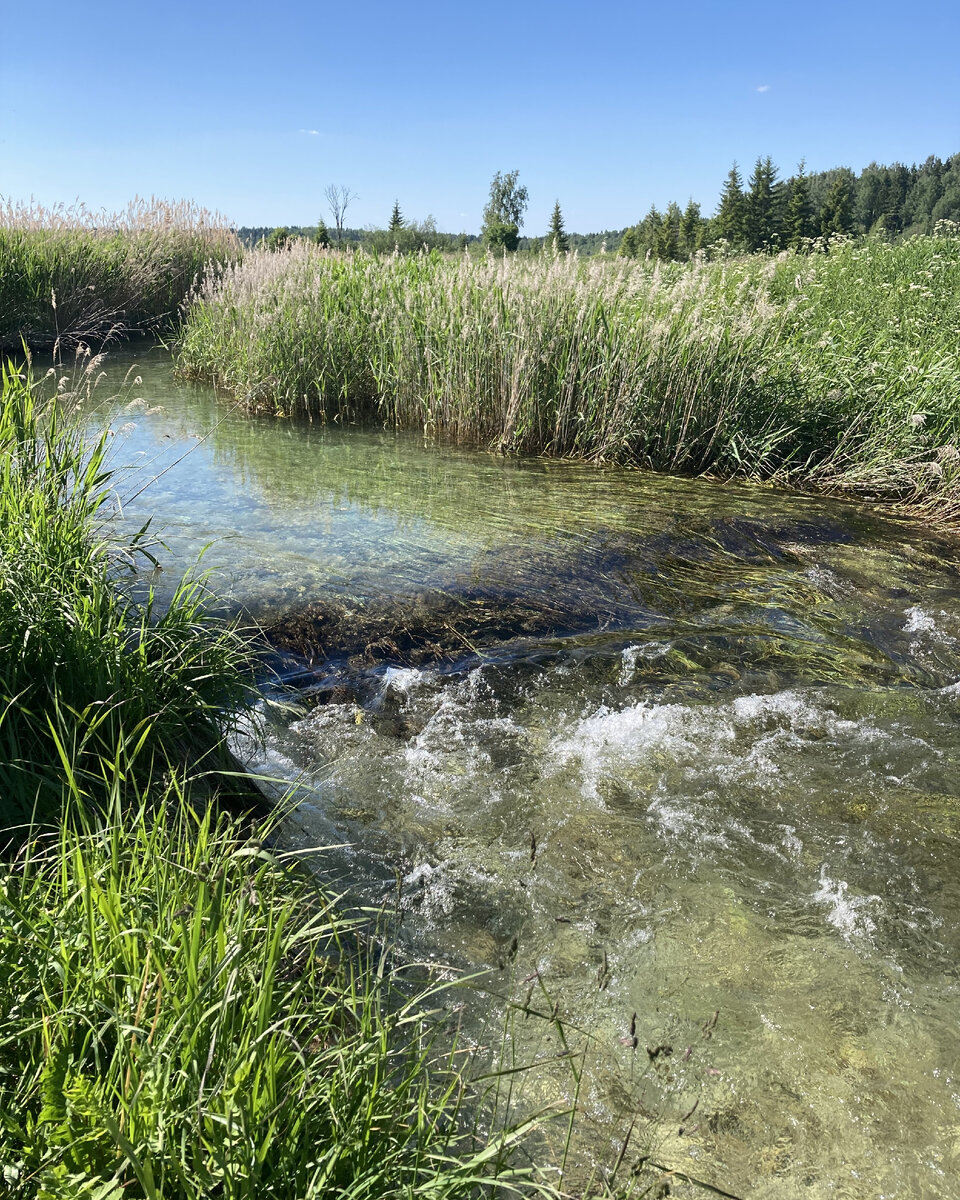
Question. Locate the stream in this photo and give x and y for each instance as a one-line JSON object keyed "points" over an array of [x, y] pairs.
{"points": [[673, 760]]}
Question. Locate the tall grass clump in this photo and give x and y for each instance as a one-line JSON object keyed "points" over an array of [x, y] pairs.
{"points": [[870, 354], [831, 369], [549, 355], [183, 1015], [93, 684], [180, 1017], [69, 275]]}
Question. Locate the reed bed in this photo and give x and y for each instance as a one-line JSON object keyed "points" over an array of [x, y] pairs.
{"points": [[69, 275], [836, 369], [182, 1014]]}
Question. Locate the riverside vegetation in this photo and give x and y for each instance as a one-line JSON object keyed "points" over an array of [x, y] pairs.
{"points": [[70, 275], [834, 370], [182, 1014]]}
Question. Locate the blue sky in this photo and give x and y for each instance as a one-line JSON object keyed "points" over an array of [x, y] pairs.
{"points": [[253, 109]]}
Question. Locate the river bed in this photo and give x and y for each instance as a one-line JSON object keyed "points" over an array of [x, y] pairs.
{"points": [[674, 760]]}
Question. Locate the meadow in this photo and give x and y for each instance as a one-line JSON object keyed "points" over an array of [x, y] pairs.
{"points": [[834, 369]]}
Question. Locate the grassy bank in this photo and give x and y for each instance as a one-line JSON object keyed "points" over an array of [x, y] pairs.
{"points": [[181, 1015], [70, 275], [95, 688], [832, 370]]}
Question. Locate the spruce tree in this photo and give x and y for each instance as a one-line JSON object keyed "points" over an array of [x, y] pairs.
{"points": [[690, 229], [799, 222], [762, 207], [730, 214], [836, 216], [322, 236], [900, 183], [556, 235], [667, 245], [649, 231], [890, 219], [396, 218], [629, 243]]}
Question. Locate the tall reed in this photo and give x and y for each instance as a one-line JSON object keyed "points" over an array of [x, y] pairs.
{"points": [[833, 369], [69, 275]]}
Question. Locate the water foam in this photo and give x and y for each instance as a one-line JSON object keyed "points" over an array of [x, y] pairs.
{"points": [[610, 739], [454, 740], [918, 621], [632, 654], [403, 681], [743, 741], [921, 621], [847, 914]]}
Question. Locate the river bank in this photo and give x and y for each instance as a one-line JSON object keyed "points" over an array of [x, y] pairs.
{"points": [[832, 372]]}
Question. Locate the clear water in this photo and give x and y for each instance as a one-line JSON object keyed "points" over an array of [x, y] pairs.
{"points": [[658, 747]]}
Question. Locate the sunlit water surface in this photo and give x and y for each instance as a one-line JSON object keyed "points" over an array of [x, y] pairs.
{"points": [[695, 760]]}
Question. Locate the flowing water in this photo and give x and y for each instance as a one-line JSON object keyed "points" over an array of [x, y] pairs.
{"points": [[676, 761]]}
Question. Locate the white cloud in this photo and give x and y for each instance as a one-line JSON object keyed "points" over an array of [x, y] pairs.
{"points": [[764, 87], [310, 132]]}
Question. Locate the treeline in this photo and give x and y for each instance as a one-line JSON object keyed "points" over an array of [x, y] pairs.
{"points": [[607, 241], [414, 237], [764, 212], [409, 237], [770, 213]]}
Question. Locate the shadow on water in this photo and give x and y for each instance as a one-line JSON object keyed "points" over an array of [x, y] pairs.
{"points": [[729, 588]]}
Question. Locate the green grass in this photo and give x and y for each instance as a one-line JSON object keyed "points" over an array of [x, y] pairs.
{"points": [[93, 683], [183, 1015], [835, 370], [71, 276], [180, 1016]]}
